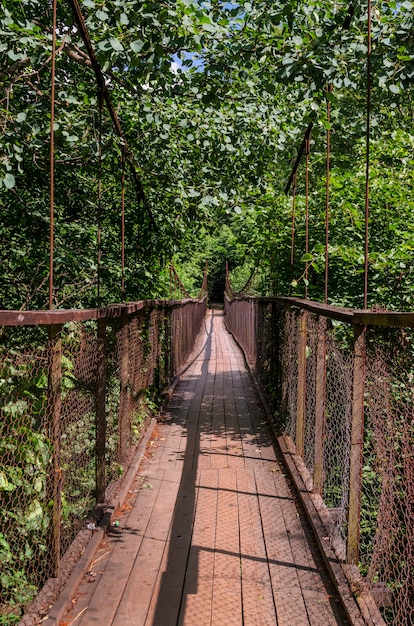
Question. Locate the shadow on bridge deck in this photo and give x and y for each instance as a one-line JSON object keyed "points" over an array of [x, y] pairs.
{"points": [[213, 534]]}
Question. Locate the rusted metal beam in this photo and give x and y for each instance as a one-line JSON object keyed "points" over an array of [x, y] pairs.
{"points": [[357, 446], [384, 318], [332, 312], [393, 319], [301, 393], [320, 408], [54, 407], [124, 398], [101, 380], [302, 148]]}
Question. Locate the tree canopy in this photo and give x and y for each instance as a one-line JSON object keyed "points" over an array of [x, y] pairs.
{"points": [[213, 99]]}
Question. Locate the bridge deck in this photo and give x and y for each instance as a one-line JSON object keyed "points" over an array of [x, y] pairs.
{"points": [[213, 534]]}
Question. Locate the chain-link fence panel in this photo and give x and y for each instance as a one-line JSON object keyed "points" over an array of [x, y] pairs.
{"points": [[387, 516], [75, 401], [346, 394], [26, 464]]}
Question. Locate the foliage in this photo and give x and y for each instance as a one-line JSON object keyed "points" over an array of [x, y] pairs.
{"points": [[213, 98], [24, 468]]}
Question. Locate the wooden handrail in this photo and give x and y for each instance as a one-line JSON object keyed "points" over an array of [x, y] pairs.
{"points": [[357, 317], [62, 316]]}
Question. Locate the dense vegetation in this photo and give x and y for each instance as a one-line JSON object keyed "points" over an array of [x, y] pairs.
{"points": [[214, 98]]}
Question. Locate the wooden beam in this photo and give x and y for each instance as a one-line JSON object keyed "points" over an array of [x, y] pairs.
{"points": [[301, 150], [332, 312], [392, 319]]}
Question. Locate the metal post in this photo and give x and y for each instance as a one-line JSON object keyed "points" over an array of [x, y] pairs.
{"points": [[123, 417], [54, 414], [301, 398], [101, 413], [320, 408], [357, 445]]}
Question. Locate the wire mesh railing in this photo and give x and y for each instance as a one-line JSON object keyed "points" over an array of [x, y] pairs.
{"points": [[76, 391], [340, 383]]}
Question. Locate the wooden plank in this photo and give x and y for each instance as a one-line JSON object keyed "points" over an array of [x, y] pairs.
{"points": [[250, 442], [168, 591], [325, 547], [218, 439], [141, 582], [124, 544], [257, 594], [197, 598], [290, 606], [318, 594], [317, 589], [227, 601]]}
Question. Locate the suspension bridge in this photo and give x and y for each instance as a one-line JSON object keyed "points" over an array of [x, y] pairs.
{"points": [[275, 485]]}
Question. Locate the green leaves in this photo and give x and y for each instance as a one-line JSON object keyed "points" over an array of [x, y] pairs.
{"points": [[214, 100], [102, 15], [137, 45], [116, 45], [9, 181]]}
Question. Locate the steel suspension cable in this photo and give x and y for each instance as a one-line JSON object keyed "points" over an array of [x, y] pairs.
{"points": [[292, 238], [328, 172], [307, 151], [52, 160], [367, 163], [123, 224], [99, 207]]}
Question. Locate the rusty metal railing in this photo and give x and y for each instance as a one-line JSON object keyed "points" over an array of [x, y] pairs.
{"points": [[340, 383], [74, 403]]}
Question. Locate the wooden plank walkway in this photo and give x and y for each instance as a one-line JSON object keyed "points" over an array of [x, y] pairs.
{"points": [[212, 534]]}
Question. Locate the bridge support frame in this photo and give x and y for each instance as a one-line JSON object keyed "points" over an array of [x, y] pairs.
{"points": [[301, 396], [320, 408], [54, 400], [357, 445], [101, 413]]}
